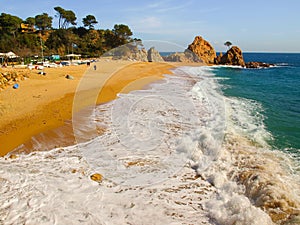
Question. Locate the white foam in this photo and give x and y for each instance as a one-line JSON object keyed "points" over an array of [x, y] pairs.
{"points": [[230, 207], [246, 118]]}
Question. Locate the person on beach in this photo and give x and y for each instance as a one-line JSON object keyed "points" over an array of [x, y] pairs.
{"points": [[95, 67]]}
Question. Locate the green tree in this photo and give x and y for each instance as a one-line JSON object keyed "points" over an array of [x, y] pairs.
{"points": [[60, 12], [10, 24], [122, 34], [109, 40], [80, 31], [65, 17], [89, 21], [61, 41], [30, 21], [58, 41], [43, 22], [228, 44]]}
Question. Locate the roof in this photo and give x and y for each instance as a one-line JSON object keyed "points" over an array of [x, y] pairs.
{"points": [[73, 55], [9, 55]]}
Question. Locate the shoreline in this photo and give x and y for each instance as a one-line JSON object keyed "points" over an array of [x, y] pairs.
{"points": [[52, 97]]}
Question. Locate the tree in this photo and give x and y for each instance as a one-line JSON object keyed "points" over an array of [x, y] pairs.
{"points": [[122, 34], [65, 17], [61, 41], [89, 21], [43, 22], [9, 23], [30, 21], [60, 13], [80, 31], [228, 44]]}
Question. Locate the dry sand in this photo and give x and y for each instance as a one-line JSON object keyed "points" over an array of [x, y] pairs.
{"points": [[42, 103]]}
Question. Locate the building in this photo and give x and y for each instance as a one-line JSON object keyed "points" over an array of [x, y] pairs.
{"points": [[26, 28]]}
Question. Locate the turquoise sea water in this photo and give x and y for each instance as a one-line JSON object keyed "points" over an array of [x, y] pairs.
{"points": [[275, 89]]}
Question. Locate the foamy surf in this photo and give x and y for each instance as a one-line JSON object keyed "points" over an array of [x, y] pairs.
{"points": [[177, 153]]}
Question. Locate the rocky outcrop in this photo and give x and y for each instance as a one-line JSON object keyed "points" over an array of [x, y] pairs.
{"points": [[139, 55], [203, 50], [232, 57], [218, 58], [256, 65], [128, 52], [154, 56], [9, 78], [133, 53], [187, 56]]}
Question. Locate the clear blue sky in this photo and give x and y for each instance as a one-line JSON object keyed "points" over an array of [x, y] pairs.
{"points": [[256, 25]]}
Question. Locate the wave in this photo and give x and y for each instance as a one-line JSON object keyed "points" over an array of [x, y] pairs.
{"points": [[227, 66], [246, 172], [282, 64]]}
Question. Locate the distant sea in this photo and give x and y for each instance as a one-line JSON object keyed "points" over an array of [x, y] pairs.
{"points": [[165, 53]]}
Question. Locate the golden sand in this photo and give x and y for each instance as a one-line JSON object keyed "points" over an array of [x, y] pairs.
{"points": [[42, 103]]}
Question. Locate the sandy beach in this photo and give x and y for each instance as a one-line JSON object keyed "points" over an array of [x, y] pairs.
{"points": [[42, 103]]}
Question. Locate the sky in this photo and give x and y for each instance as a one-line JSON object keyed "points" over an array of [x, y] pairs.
{"points": [[171, 25]]}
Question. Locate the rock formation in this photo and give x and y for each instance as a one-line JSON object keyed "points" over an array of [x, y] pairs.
{"points": [[9, 78], [198, 51], [154, 56], [139, 55], [203, 49], [232, 57], [207, 54], [255, 65], [132, 52], [186, 56], [218, 58], [128, 52]]}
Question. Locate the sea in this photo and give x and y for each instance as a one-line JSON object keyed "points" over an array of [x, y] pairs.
{"points": [[206, 145]]}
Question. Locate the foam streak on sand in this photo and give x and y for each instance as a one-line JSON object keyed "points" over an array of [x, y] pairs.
{"points": [[172, 154]]}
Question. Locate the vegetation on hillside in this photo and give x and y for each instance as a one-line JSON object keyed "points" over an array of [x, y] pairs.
{"points": [[30, 36]]}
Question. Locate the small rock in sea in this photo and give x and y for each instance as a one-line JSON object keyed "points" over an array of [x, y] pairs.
{"points": [[97, 177], [255, 65], [70, 77]]}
